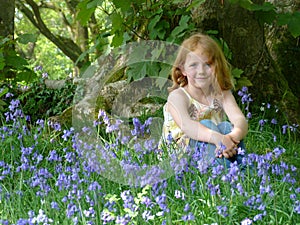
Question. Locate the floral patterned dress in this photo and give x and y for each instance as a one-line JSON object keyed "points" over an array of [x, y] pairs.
{"points": [[198, 112]]}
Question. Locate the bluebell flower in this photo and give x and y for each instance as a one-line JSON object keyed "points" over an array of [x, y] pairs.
{"points": [[45, 75], [222, 210], [41, 218], [258, 217], [240, 188], [89, 213], [94, 186], [249, 115], [297, 207], [37, 68], [246, 221], [146, 215], [187, 207], [106, 218], [193, 186], [188, 217]]}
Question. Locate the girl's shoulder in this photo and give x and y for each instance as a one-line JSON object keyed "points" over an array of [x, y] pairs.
{"points": [[178, 93], [179, 98]]}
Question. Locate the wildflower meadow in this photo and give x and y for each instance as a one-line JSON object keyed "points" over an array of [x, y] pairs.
{"points": [[50, 174]]}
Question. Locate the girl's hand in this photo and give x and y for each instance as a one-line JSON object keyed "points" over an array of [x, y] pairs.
{"points": [[228, 148]]}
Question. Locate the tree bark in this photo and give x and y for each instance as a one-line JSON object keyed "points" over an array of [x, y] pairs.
{"points": [[7, 15], [245, 36]]}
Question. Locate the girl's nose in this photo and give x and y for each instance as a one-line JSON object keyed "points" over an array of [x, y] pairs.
{"points": [[200, 68]]}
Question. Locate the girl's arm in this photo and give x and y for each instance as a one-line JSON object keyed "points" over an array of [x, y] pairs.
{"points": [[177, 105], [236, 117]]}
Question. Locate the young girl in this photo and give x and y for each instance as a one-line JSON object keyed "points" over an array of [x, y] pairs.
{"points": [[200, 100]]}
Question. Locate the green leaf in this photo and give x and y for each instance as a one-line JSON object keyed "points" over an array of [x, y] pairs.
{"points": [[142, 69], [124, 5], [27, 76], [178, 31], [292, 20], [194, 4], [94, 4], [247, 4], [138, 53], [136, 71], [165, 70], [236, 72], [16, 62], [85, 12], [3, 92], [153, 32], [2, 63], [243, 81], [116, 20], [266, 6], [26, 38], [266, 16], [117, 39]]}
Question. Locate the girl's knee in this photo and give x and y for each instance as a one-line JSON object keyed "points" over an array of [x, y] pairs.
{"points": [[225, 127], [209, 124]]}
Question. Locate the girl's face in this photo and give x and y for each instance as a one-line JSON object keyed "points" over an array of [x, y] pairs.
{"points": [[198, 69]]}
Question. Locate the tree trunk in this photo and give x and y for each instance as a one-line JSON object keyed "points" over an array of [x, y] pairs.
{"points": [[245, 37], [7, 31], [68, 46], [7, 14]]}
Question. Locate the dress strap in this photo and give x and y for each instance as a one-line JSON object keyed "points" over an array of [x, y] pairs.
{"points": [[187, 94]]}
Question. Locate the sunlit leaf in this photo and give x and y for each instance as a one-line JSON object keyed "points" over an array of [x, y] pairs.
{"points": [[85, 12]]}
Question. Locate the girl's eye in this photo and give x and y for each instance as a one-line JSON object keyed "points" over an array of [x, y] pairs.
{"points": [[193, 65], [208, 64]]}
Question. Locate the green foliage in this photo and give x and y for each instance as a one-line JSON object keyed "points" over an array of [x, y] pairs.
{"points": [[292, 20], [268, 13], [3, 92], [37, 49], [41, 102], [13, 68]]}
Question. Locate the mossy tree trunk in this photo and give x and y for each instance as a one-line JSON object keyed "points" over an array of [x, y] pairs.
{"points": [[245, 36], [7, 15]]}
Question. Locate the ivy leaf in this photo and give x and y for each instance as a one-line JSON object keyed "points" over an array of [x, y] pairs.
{"points": [[236, 72], [292, 20]]}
